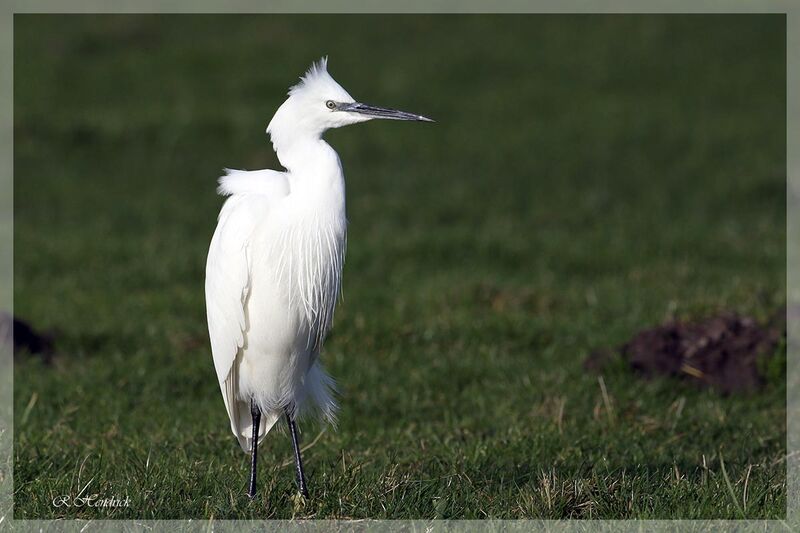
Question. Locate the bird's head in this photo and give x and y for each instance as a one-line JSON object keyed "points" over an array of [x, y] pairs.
{"points": [[319, 103]]}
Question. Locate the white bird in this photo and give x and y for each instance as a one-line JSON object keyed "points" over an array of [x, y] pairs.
{"points": [[274, 267]]}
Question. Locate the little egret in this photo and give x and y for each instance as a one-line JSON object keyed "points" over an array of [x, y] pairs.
{"points": [[274, 268]]}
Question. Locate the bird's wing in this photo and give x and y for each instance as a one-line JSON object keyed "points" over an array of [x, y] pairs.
{"points": [[228, 281]]}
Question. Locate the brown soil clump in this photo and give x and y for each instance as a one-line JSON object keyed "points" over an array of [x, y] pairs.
{"points": [[721, 352]]}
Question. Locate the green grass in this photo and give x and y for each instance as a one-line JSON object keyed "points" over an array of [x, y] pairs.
{"points": [[587, 177]]}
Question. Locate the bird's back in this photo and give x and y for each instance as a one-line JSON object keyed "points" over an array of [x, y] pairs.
{"points": [[252, 195]]}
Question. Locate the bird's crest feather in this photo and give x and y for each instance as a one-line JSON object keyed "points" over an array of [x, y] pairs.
{"points": [[318, 71]]}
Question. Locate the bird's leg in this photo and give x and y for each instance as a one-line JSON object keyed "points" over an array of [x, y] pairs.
{"points": [[298, 461], [256, 412]]}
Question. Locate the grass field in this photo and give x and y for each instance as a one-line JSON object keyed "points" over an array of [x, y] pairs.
{"points": [[587, 177]]}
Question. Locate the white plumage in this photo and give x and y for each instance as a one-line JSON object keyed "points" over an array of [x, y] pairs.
{"points": [[274, 268], [272, 278]]}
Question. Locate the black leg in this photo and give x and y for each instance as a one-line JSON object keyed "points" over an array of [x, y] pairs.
{"points": [[298, 461], [256, 412]]}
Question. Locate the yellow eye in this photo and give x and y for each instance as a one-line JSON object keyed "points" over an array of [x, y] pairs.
{"points": [[330, 104]]}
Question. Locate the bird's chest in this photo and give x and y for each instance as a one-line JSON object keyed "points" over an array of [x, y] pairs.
{"points": [[310, 249]]}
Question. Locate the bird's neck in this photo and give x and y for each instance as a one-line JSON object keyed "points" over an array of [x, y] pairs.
{"points": [[313, 166], [307, 153], [296, 150]]}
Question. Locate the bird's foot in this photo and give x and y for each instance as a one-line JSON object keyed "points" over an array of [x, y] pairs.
{"points": [[299, 501]]}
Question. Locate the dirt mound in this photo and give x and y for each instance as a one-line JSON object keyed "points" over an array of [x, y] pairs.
{"points": [[720, 351]]}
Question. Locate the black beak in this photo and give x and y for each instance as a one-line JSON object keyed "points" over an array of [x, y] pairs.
{"points": [[381, 112]]}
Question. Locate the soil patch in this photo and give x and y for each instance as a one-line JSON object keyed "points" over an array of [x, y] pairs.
{"points": [[722, 352]]}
